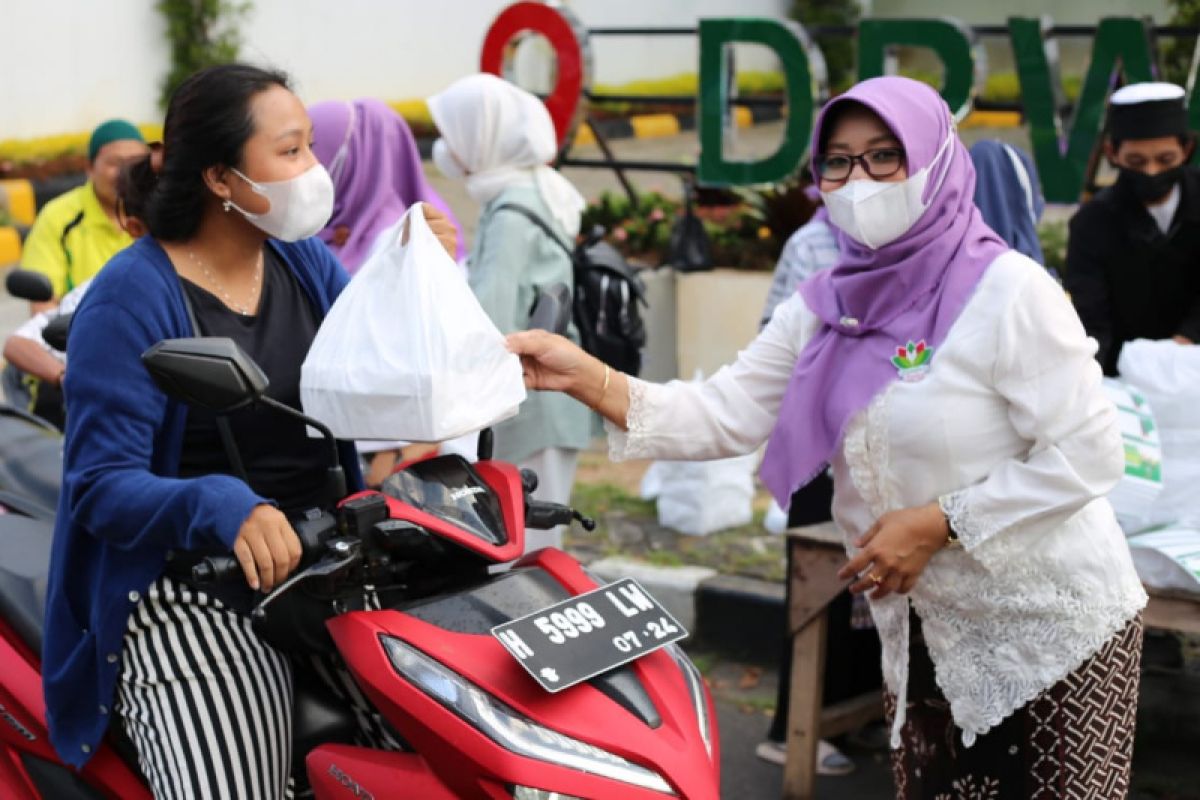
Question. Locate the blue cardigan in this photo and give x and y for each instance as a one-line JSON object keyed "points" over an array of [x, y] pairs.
{"points": [[122, 506]]}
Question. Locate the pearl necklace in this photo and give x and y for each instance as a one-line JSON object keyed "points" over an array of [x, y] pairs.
{"points": [[243, 309]]}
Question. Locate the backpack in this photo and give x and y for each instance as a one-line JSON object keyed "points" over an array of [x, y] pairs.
{"points": [[605, 298]]}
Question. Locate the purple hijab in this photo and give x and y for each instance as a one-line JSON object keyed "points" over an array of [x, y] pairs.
{"points": [[376, 177], [910, 290]]}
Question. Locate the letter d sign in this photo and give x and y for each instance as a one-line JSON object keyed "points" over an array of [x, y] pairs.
{"points": [[804, 68]]}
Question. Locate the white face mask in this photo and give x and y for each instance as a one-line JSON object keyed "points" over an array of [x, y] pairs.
{"points": [[875, 213], [300, 207], [446, 162]]}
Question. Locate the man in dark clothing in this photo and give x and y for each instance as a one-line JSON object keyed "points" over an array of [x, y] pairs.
{"points": [[1133, 257]]}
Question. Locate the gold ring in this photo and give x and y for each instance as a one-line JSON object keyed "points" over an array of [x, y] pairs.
{"points": [[875, 579]]}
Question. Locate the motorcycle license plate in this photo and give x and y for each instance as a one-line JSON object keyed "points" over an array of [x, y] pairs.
{"points": [[589, 634]]}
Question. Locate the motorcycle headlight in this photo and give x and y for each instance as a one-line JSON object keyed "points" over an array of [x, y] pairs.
{"points": [[695, 684], [508, 727], [526, 793]]}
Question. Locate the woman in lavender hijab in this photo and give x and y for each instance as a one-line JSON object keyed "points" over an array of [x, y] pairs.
{"points": [[949, 385], [372, 157]]}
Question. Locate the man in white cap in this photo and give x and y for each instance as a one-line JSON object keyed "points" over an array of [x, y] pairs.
{"points": [[1133, 257]]}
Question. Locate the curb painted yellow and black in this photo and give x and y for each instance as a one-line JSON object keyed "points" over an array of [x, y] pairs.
{"points": [[19, 198], [22, 198], [649, 126], [652, 126]]}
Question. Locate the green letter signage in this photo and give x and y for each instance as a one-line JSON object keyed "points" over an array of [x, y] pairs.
{"points": [[950, 39], [1062, 158], [804, 68]]}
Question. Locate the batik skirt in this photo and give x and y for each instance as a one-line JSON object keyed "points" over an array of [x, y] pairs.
{"points": [[1072, 742]]}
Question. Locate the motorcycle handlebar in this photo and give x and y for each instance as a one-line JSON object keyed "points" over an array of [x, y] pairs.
{"points": [[217, 569], [538, 515], [543, 516]]}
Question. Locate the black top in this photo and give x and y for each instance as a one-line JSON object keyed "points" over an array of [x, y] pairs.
{"points": [[281, 460], [1126, 278]]}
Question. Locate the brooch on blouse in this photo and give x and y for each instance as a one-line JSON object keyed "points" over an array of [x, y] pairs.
{"points": [[912, 361]]}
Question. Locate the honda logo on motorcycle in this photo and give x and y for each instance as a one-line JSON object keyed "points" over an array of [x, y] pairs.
{"points": [[21, 729], [350, 783], [465, 491]]}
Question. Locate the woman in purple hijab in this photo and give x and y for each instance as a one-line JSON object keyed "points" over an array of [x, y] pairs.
{"points": [[949, 386], [372, 157]]}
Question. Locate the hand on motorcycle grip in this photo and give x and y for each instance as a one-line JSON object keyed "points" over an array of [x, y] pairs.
{"points": [[341, 556]]}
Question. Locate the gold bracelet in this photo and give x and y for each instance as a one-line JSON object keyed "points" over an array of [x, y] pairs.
{"points": [[604, 388]]}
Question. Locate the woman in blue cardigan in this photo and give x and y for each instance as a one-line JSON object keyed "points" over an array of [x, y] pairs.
{"points": [[231, 201]]}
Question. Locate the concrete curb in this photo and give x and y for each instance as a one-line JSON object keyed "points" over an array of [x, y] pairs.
{"points": [[674, 587], [18, 198], [22, 199], [10, 245], [643, 126]]}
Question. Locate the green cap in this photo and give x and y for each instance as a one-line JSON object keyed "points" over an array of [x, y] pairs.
{"points": [[115, 130]]}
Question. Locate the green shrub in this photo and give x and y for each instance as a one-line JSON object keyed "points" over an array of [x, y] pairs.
{"points": [[641, 231], [747, 227], [201, 33], [1005, 87], [1053, 238], [928, 77], [839, 51], [1002, 87], [1177, 56]]}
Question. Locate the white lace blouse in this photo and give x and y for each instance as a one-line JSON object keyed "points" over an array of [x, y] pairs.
{"points": [[1009, 431]]}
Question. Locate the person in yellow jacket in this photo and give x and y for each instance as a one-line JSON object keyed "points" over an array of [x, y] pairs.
{"points": [[76, 233]]}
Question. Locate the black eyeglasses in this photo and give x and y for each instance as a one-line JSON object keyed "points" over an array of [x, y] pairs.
{"points": [[882, 162]]}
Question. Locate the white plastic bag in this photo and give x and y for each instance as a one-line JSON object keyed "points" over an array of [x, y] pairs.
{"points": [[407, 352], [776, 518], [1168, 374], [1136, 495], [702, 497], [1168, 558]]}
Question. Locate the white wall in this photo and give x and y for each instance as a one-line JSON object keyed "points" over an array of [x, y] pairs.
{"points": [[67, 64]]}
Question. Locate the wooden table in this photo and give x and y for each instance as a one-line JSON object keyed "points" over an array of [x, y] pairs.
{"points": [[817, 554]]}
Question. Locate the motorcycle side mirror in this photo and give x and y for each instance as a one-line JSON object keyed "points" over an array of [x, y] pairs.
{"points": [[56, 331], [25, 284], [212, 373], [552, 309]]}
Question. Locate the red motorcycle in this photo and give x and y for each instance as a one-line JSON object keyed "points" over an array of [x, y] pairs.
{"points": [[533, 683]]}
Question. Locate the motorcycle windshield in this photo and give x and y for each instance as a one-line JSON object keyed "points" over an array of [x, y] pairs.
{"points": [[447, 487]]}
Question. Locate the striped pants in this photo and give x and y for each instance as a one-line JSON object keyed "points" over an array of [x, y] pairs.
{"points": [[208, 704]]}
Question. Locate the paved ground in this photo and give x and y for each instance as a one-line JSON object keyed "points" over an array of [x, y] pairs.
{"points": [[1165, 764], [1168, 736]]}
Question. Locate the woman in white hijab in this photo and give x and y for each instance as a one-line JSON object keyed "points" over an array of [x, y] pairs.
{"points": [[498, 139]]}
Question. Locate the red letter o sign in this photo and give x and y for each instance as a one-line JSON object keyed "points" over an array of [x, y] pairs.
{"points": [[569, 40]]}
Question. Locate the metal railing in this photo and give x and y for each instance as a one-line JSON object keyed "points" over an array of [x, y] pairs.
{"points": [[609, 161]]}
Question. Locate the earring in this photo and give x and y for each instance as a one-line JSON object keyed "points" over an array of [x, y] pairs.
{"points": [[228, 204]]}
